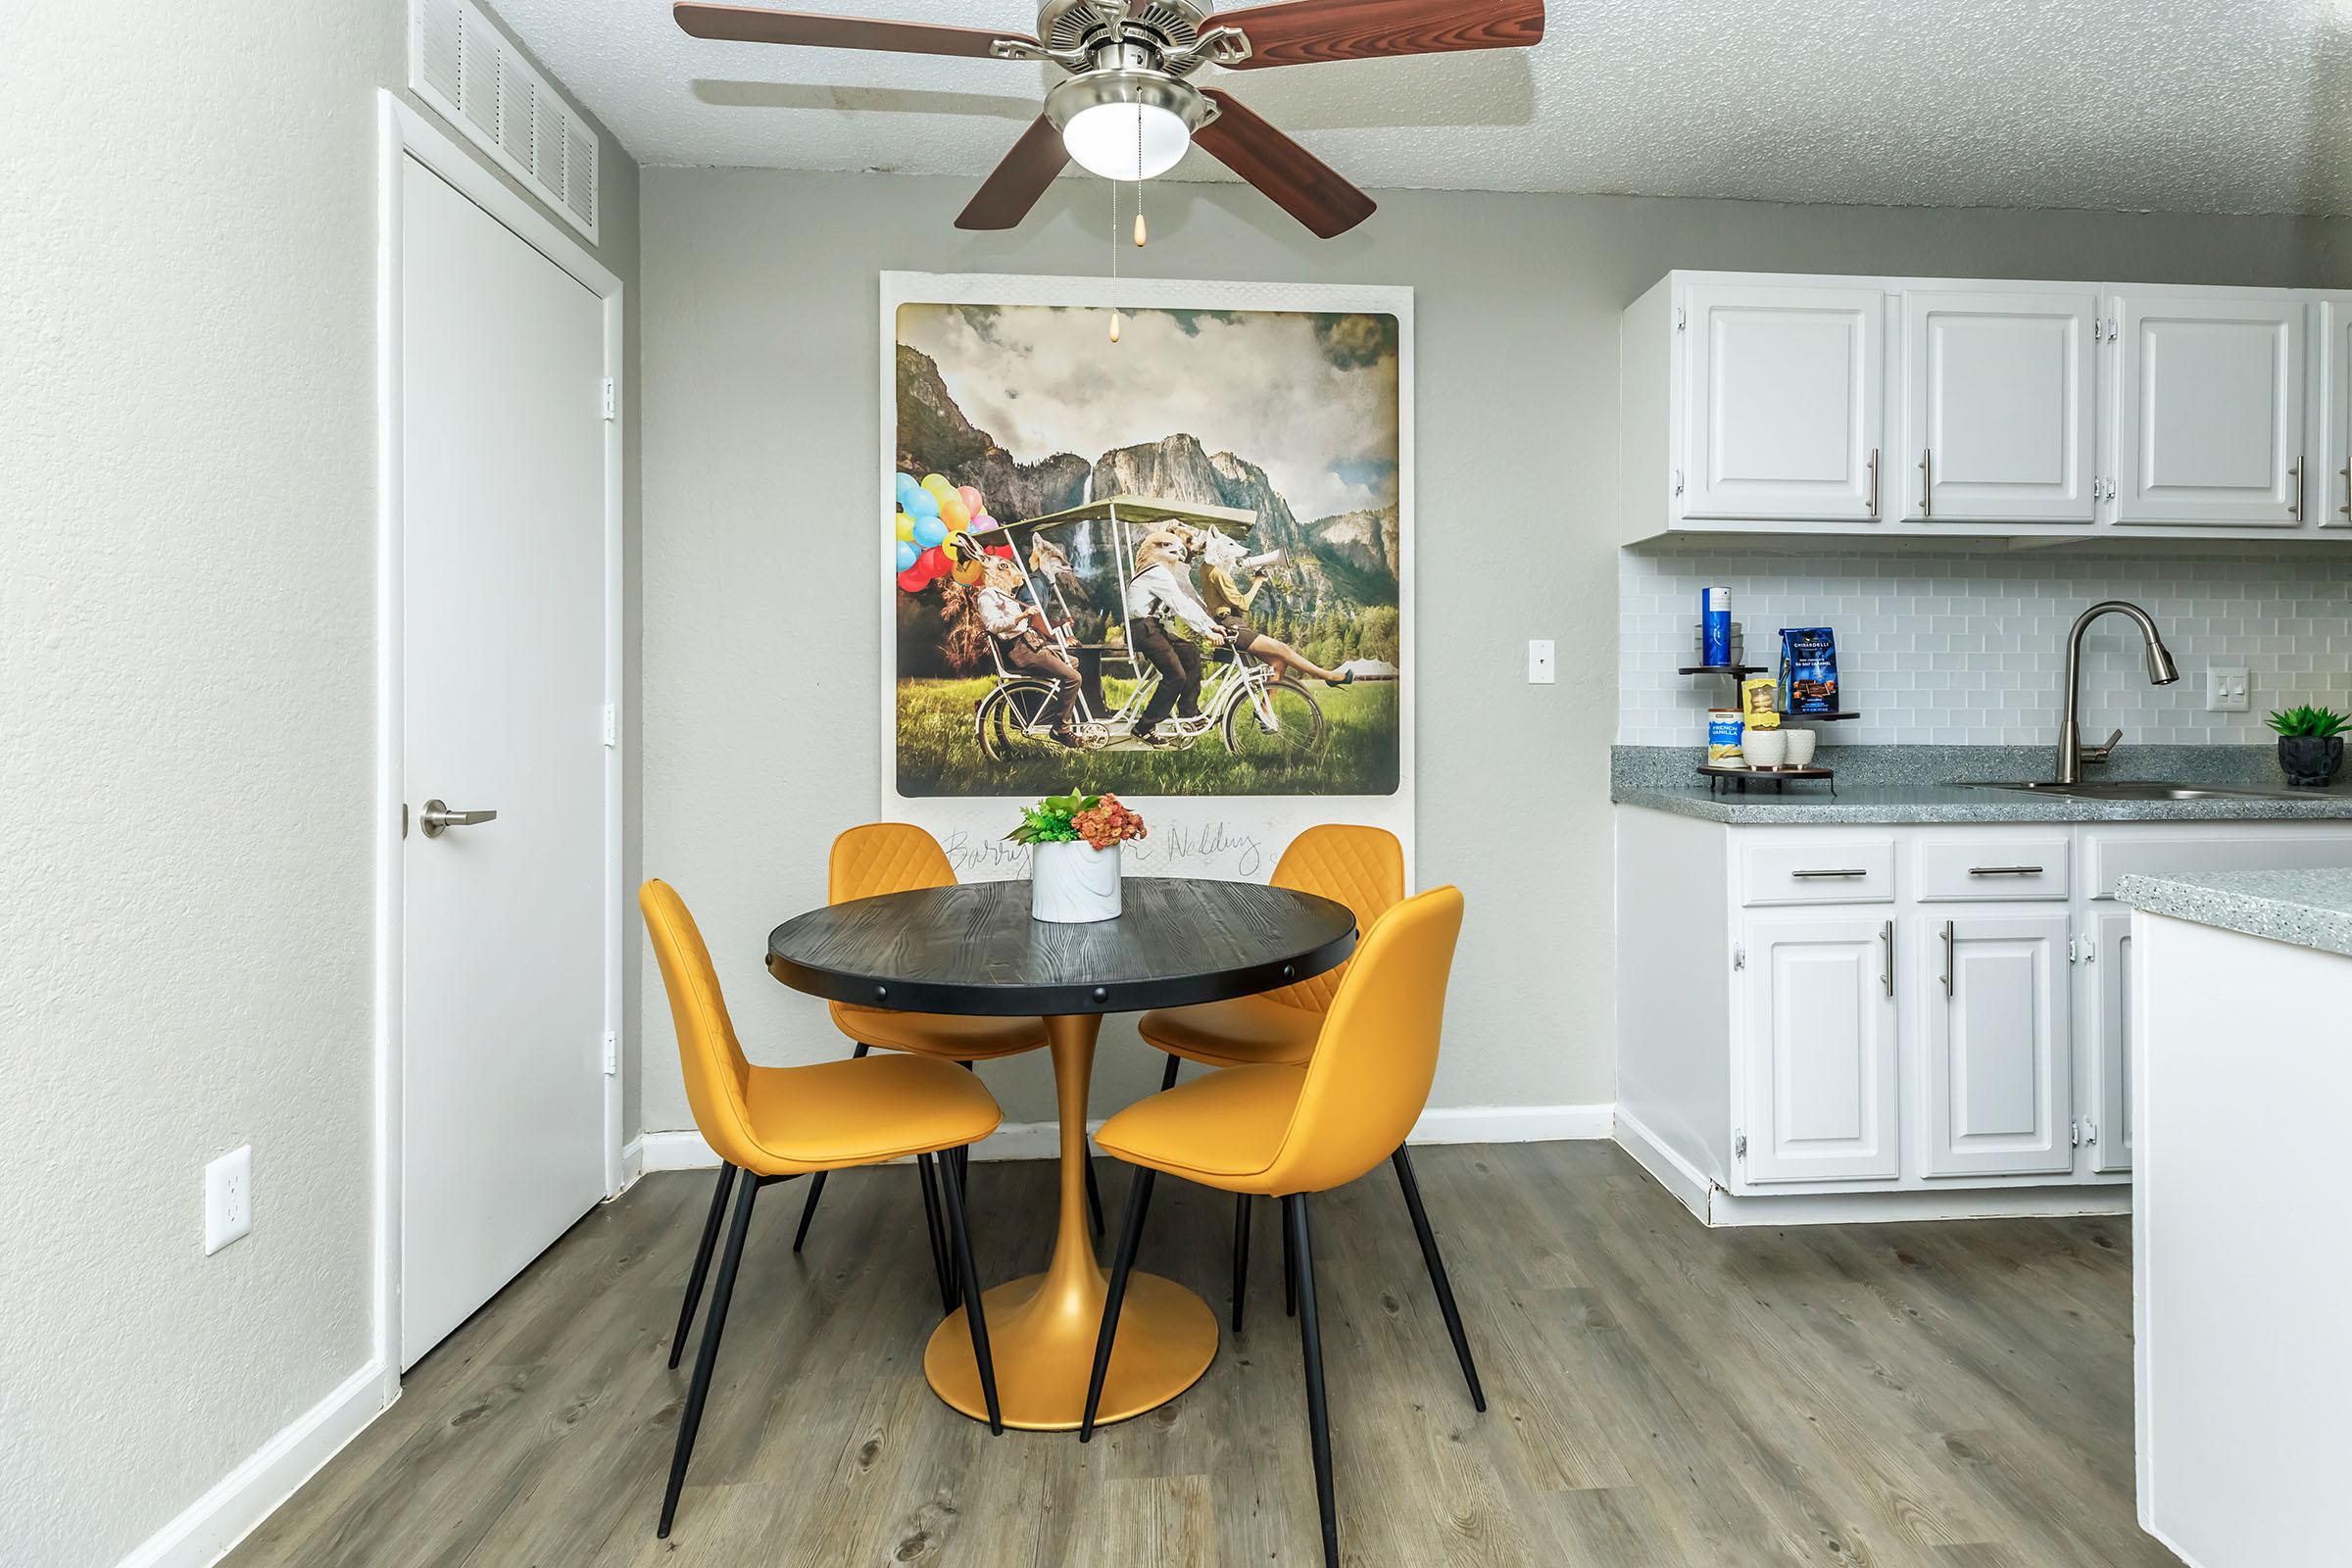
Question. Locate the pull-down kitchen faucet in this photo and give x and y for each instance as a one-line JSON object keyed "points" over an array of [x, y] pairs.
{"points": [[2072, 752]]}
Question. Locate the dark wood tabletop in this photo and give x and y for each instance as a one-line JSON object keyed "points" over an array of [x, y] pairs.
{"points": [[973, 948]]}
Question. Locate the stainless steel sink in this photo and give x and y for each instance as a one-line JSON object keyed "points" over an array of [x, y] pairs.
{"points": [[2136, 790]]}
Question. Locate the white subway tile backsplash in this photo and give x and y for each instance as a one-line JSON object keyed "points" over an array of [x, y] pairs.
{"points": [[1966, 650]]}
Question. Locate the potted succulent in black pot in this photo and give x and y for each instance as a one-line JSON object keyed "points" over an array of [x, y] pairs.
{"points": [[2311, 743]]}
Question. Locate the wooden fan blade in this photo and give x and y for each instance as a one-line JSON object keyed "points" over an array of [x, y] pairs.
{"points": [[1300, 32], [1299, 183], [1013, 186], [757, 24]]}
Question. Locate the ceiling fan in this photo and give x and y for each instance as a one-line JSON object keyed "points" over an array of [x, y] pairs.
{"points": [[1126, 110]]}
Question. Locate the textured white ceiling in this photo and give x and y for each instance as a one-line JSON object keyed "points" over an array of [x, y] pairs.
{"points": [[2221, 106]]}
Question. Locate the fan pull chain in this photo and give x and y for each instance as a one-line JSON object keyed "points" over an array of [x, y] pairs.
{"points": [[1115, 259], [1139, 180]]}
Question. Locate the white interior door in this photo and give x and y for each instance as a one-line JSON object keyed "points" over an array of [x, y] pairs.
{"points": [[502, 663], [2209, 425], [1998, 406], [1785, 402], [1821, 1049], [1999, 1071]]}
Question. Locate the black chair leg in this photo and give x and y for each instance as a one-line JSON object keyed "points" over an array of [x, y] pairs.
{"points": [[702, 1260], [708, 1357], [1241, 1255], [817, 1187], [1290, 1268], [951, 1188], [1310, 1345], [1094, 1192], [1437, 1274], [938, 1226], [1131, 1234], [1167, 1074]]}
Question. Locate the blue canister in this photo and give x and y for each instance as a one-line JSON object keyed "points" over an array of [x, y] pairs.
{"points": [[1715, 626], [1726, 730]]}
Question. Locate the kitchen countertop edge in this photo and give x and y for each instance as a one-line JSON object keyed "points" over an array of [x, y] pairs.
{"points": [[2305, 908], [1894, 806]]}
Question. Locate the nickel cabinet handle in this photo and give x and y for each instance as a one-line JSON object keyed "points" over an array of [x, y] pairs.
{"points": [[1845, 870], [2346, 471], [2004, 870], [1927, 482], [1947, 957], [1886, 960], [2294, 504], [1874, 481]]}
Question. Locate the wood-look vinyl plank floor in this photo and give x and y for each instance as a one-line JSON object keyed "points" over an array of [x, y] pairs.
{"points": [[1923, 1396]]}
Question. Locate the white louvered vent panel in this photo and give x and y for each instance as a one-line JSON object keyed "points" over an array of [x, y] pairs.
{"points": [[514, 112], [549, 136], [464, 66], [581, 196]]}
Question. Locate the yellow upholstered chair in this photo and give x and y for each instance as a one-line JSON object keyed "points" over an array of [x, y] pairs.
{"points": [[867, 862], [1359, 866], [1288, 1131], [771, 1124]]}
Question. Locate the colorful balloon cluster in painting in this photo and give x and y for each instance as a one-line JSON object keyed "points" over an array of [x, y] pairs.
{"points": [[935, 525]]}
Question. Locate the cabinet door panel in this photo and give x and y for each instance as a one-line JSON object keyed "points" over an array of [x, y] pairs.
{"points": [[2209, 425], [1998, 1064], [2108, 984], [1820, 1063], [1785, 410], [1999, 408]]}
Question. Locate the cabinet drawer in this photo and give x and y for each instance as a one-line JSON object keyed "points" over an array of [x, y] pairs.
{"points": [[1968, 869], [1857, 870], [2111, 856]]}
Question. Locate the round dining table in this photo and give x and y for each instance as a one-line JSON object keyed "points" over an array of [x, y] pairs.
{"points": [[974, 949]]}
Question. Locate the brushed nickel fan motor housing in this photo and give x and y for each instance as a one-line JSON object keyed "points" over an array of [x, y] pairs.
{"points": [[1171, 28], [1124, 83]]}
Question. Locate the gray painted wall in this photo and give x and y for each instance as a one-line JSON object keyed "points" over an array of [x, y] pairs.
{"points": [[760, 737], [187, 738]]}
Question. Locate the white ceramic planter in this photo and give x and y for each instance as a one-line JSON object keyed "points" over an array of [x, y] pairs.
{"points": [[1073, 883]]}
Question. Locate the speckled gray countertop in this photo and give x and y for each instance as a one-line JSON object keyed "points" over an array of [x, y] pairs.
{"points": [[2309, 908], [1901, 784]]}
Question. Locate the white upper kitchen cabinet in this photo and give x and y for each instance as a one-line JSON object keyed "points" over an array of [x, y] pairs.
{"points": [[1998, 1064], [1784, 401], [2001, 409], [2209, 408], [1820, 1059], [2330, 480]]}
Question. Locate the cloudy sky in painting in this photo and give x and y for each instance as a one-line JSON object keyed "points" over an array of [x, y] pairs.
{"points": [[1312, 399]]}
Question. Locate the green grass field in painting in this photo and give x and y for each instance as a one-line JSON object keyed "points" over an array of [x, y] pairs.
{"points": [[939, 754]]}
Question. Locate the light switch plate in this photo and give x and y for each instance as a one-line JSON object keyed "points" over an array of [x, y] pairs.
{"points": [[2228, 689], [227, 1199], [1541, 663]]}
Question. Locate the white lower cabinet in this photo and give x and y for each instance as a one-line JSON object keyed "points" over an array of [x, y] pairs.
{"points": [[1821, 1061], [1905, 1020], [1996, 1057]]}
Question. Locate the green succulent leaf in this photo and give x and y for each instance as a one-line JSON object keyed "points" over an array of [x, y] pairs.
{"points": [[2319, 722]]}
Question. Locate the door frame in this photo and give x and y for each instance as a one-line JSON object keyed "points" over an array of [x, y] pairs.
{"points": [[404, 133]]}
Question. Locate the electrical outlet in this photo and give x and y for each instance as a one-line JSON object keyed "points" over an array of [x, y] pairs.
{"points": [[227, 1199], [1539, 662], [2228, 690]]}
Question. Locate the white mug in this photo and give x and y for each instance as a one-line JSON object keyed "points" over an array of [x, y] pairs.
{"points": [[1800, 746]]}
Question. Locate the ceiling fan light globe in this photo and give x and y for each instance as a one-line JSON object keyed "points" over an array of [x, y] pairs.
{"points": [[1103, 139]]}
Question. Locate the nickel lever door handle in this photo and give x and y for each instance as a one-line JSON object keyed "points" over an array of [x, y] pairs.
{"points": [[438, 818]]}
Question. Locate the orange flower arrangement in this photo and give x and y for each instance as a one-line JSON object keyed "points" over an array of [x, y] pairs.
{"points": [[1108, 822]]}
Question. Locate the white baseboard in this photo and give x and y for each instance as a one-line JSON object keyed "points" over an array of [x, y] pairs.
{"points": [[1714, 1206], [1670, 1170], [210, 1527], [1041, 1140], [632, 1164]]}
